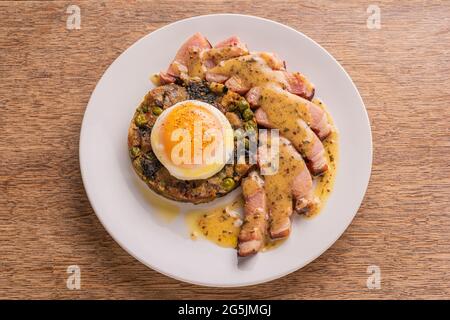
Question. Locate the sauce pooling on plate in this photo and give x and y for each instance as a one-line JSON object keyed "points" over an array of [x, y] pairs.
{"points": [[220, 225], [325, 183]]}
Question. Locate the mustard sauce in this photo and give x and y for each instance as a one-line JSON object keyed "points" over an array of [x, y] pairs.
{"points": [[252, 69], [219, 54], [291, 114], [195, 65], [272, 244], [288, 112], [325, 183], [278, 187], [220, 225], [283, 109]]}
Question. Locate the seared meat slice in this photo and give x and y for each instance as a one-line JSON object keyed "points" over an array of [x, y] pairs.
{"points": [[302, 190], [253, 96], [232, 41], [299, 85], [224, 50], [272, 60], [215, 77], [262, 119], [250, 70], [290, 184], [166, 78], [259, 70], [303, 138], [277, 101], [237, 85], [253, 231], [185, 54]]}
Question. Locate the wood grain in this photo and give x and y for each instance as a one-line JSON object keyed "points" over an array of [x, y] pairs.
{"points": [[48, 73]]}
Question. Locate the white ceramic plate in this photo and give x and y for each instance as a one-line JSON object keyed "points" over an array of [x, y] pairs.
{"points": [[121, 200]]}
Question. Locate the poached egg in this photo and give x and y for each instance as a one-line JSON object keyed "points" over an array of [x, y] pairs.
{"points": [[193, 140]]}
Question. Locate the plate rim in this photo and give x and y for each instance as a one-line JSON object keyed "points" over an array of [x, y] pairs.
{"points": [[200, 283]]}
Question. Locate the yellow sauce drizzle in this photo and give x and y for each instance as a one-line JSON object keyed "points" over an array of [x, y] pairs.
{"points": [[278, 187], [324, 183], [220, 225], [195, 65], [272, 244], [252, 69]]}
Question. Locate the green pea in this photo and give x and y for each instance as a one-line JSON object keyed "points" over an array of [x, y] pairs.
{"points": [[144, 108], [140, 120], [228, 184], [247, 114], [242, 105], [250, 125], [135, 151], [157, 111]]}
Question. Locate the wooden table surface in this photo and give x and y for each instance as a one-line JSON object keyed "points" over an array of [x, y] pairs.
{"points": [[47, 74]]}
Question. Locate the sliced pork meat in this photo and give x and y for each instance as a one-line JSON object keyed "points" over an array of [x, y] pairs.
{"points": [[290, 184], [233, 41], [302, 137], [177, 68], [252, 70], [253, 232], [227, 49], [262, 119], [215, 77], [216, 55], [256, 70], [166, 78], [280, 103], [302, 190], [299, 85], [315, 154], [184, 55], [272, 60], [319, 121], [237, 85], [253, 96]]}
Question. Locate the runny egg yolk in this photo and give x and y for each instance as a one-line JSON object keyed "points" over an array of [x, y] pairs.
{"points": [[192, 139]]}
